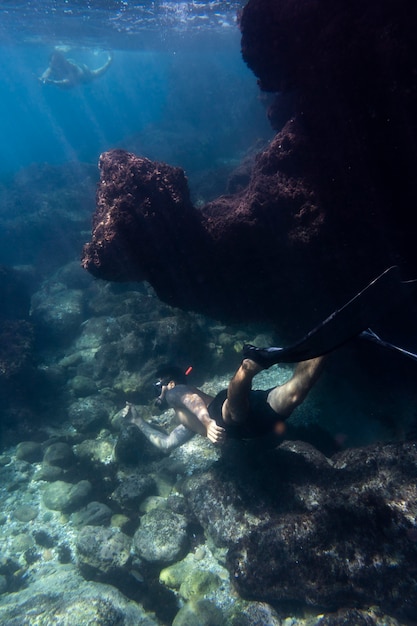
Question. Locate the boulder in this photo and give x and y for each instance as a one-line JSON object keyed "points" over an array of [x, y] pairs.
{"points": [[327, 205], [302, 528], [59, 595], [102, 551], [161, 537], [66, 497]]}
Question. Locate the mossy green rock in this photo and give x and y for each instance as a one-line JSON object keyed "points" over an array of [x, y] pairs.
{"points": [[199, 613], [95, 450], [190, 578], [176, 573], [199, 583], [62, 496], [120, 521]]}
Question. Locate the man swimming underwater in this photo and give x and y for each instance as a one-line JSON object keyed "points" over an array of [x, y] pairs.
{"points": [[238, 412], [66, 73]]}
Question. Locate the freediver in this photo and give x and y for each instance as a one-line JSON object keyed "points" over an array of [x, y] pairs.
{"points": [[66, 73], [239, 412]]}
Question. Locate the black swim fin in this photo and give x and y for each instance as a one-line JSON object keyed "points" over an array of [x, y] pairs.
{"points": [[381, 295], [369, 335]]}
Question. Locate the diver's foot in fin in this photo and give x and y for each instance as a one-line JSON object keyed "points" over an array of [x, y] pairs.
{"points": [[265, 357]]}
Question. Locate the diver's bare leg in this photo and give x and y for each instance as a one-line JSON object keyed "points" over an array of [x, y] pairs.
{"points": [[160, 440], [285, 398], [236, 406]]}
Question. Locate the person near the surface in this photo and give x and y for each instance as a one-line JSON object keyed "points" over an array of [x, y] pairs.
{"points": [[237, 412], [66, 73]]}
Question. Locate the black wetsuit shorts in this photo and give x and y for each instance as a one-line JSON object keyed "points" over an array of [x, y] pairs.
{"points": [[261, 420]]}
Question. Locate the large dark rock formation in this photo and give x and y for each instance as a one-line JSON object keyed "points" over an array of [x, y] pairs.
{"points": [[221, 260], [330, 202], [300, 527], [352, 70]]}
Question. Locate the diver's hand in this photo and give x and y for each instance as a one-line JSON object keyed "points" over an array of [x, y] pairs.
{"points": [[215, 434], [131, 415]]}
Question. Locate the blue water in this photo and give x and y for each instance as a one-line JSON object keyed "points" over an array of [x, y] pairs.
{"points": [[175, 63]]}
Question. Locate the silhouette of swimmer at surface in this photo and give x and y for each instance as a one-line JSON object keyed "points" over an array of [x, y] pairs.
{"points": [[66, 73]]}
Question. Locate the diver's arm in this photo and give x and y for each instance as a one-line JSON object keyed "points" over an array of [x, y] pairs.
{"points": [[44, 78], [164, 442], [160, 440], [195, 416]]}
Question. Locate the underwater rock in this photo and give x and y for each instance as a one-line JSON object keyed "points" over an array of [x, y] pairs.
{"points": [[16, 475], [345, 617], [199, 613], [96, 452], [57, 312], [25, 513], [72, 276], [89, 414], [161, 537], [59, 595], [102, 550], [62, 496], [50, 473], [30, 451], [132, 447], [173, 575], [327, 206], [130, 202], [122, 352], [132, 490], [206, 252], [59, 454], [303, 528], [190, 578], [351, 72], [257, 613], [83, 386], [94, 514], [199, 584]]}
